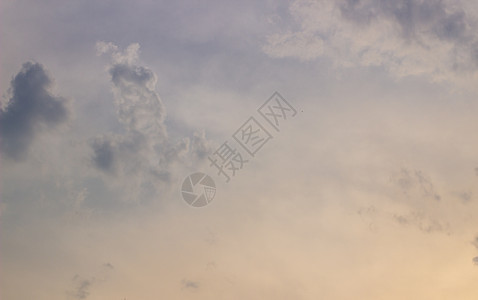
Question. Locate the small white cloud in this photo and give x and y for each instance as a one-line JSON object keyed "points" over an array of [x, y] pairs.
{"points": [[103, 48], [128, 56]]}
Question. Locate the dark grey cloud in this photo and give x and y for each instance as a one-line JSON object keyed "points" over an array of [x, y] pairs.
{"points": [[31, 108], [130, 154], [125, 154], [124, 74], [104, 156]]}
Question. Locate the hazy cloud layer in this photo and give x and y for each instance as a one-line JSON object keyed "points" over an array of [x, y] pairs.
{"points": [[372, 169], [31, 108], [408, 37]]}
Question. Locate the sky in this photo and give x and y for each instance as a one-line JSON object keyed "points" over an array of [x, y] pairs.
{"points": [[346, 129]]}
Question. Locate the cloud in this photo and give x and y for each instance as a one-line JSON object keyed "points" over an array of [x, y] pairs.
{"points": [[82, 291], [465, 196], [31, 108], [408, 37], [475, 242], [189, 284], [412, 17], [108, 266], [83, 287], [475, 260], [104, 156], [422, 221], [138, 104], [142, 152], [415, 182], [426, 186], [120, 154]]}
